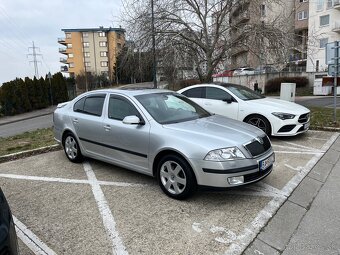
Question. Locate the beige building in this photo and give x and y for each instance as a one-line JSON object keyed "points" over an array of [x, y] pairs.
{"points": [[248, 20], [91, 50]]}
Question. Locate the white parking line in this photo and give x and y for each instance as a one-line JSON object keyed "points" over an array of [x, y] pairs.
{"points": [[31, 240], [64, 180], [105, 212]]}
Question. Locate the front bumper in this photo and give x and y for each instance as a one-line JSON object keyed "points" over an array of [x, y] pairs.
{"points": [[219, 174], [289, 127]]}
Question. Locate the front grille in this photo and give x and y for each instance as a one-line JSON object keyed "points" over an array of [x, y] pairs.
{"points": [[286, 128], [257, 148], [304, 118], [257, 175]]}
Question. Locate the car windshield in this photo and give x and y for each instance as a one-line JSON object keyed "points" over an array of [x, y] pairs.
{"points": [[167, 108], [244, 93]]}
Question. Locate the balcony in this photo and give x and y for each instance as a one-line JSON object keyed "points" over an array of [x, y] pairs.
{"points": [[63, 60], [336, 27], [64, 68], [336, 4], [62, 50], [62, 41], [242, 17]]}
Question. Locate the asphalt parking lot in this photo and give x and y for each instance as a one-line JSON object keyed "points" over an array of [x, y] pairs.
{"points": [[96, 208]]}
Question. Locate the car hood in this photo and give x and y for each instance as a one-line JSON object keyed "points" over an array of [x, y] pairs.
{"points": [[278, 105], [216, 131]]}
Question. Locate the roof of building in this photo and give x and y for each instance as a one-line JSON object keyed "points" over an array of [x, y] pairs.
{"points": [[98, 29]]}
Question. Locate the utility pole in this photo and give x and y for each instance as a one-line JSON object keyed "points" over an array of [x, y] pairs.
{"points": [[336, 60], [35, 61], [154, 70]]}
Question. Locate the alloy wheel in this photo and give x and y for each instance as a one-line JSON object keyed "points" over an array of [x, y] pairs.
{"points": [[173, 177]]}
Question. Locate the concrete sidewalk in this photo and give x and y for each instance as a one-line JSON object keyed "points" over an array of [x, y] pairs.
{"points": [[27, 115], [308, 222]]}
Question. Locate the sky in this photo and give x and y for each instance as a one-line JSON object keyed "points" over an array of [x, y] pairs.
{"points": [[40, 21]]}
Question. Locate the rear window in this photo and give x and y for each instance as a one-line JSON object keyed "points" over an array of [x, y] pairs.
{"points": [[194, 93], [92, 105]]}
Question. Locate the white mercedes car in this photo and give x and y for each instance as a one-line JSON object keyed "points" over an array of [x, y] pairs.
{"points": [[274, 116]]}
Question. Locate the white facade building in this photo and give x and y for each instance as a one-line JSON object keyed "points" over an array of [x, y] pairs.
{"points": [[323, 28]]}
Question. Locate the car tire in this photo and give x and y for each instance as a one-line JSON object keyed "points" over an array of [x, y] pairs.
{"points": [[176, 177], [259, 122], [71, 148]]}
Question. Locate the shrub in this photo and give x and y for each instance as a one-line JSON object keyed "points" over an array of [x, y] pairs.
{"points": [[274, 85]]}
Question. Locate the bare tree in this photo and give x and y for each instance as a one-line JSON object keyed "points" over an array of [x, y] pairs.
{"points": [[202, 30]]}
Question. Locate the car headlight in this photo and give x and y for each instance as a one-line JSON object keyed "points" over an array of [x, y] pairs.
{"points": [[284, 116], [224, 154]]}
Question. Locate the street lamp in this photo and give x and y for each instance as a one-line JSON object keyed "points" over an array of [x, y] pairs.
{"points": [[49, 76], [154, 72]]}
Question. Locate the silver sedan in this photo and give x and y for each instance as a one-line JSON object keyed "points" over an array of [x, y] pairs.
{"points": [[163, 134]]}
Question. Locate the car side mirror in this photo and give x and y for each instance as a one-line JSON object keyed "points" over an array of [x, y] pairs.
{"points": [[133, 120], [228, 100]]}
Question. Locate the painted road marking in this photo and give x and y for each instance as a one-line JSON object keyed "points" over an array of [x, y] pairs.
{"points": [[31, 240], [104, 209]]}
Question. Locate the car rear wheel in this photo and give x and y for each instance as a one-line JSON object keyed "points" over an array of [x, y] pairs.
{"points": [[71, 148], [259, 122], [175, 177]]}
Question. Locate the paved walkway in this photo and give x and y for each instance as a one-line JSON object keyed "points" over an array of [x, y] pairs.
{"points": [[308, 222], [27, 115]]}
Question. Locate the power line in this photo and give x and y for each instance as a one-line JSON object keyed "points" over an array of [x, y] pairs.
{"points": [[35, 61]]}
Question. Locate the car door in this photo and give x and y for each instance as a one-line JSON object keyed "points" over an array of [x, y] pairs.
{"points": [[125, 144], [87, 117], [220, 102]]}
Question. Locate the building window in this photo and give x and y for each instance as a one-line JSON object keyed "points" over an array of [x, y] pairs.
{"points": [[323, 42], [85, 34], [86, 44], [68, 35], [70, 55], [118, 35], [87, 64], [263, 10], [102, 44], [86, 54], [302, 15], [329, 4], [104, 63], [71, 64], [69, 45], [101, 34], [319, 5], [303, 1], [324, 20], [103, 53]]}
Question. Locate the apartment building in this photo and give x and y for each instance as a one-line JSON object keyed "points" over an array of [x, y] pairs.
{"points": [[248, 21], [299, 51], [91, 50], [323, 28]]}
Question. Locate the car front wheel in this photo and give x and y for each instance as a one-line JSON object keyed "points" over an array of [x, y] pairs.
{"points": [[259, 122], [71, 148], [175, 177]]}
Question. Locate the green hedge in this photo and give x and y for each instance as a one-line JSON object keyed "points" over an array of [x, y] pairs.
{"points": [[19, 96], [274, 85]]}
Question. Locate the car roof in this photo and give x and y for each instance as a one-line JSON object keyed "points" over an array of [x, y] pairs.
{"points": [[133, 91], [222, 84]]}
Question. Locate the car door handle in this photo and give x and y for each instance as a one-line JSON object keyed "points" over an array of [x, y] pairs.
{"points": [[107, 127], [75, 121]]}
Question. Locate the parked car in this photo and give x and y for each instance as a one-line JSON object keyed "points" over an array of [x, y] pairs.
{"points": [[265, 69], [163, 134], [274, 116], [243, 71], [8, 237]]}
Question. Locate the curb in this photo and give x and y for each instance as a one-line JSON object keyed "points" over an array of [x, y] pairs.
{"points": [[25, 154]]}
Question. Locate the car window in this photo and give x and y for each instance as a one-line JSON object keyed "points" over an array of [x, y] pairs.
{"points": [[92, 104], [119, 108], [244, 93], [194, 92], [217, 94]]}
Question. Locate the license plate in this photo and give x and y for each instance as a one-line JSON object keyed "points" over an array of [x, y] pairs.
{"points": [[306, 125], [264, 164]]}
